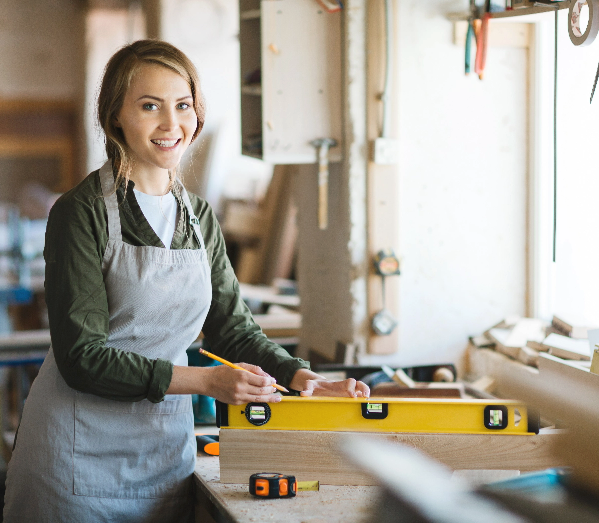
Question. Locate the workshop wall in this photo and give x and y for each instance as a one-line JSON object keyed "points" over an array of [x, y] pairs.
{"points": [[463, 188], [106, 30], [40, 49]]}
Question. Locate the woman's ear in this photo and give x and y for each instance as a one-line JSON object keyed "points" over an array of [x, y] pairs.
{"points": [[116, 122]]}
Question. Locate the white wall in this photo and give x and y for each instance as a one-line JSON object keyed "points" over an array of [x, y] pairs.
{"points": [[40, 42], [463, 188]]}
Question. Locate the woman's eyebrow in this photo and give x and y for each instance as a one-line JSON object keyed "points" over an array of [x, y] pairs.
{"points": [[160, 99]]}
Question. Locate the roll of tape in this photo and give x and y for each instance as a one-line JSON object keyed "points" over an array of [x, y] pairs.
{"points": [[576, 34]]}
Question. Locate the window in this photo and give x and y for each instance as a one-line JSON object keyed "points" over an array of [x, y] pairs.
{"points": [[568, 288]]}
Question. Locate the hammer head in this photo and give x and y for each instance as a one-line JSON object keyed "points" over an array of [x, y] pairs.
{"points": [[324, 142]]}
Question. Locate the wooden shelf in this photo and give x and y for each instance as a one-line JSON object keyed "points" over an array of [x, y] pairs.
{"points": [[254, 90], [527, 11], [524, 14], [252, 154], [252, 14]]}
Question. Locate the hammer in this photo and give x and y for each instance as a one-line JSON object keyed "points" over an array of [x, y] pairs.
{"points": [[322, 146]]}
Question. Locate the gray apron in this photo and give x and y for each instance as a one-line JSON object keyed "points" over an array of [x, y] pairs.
{"points": [[82, 458]]}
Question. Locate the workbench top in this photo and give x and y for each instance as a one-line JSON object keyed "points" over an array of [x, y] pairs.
{"points": [[233, 503]]}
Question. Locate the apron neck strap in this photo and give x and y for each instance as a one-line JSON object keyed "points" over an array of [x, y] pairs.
{"points": [[110, 199], [195, 222]]}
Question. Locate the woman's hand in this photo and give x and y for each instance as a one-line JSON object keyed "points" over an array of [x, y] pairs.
{"points": [[312, 384], [225, 384]]}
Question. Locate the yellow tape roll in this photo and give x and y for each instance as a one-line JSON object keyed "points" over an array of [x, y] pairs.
{"points": [[576, 35]]}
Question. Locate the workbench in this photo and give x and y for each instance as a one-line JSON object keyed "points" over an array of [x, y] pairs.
{"points": [[232, 503]]}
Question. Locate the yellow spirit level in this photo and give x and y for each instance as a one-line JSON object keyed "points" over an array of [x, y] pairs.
{"points": [[462, 416]]}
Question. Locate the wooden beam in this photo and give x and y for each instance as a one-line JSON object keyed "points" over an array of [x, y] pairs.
{"points": [[311, 455], [569, 394], [549, 364]]}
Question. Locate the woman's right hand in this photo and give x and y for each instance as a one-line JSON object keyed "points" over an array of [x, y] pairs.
{"points": [[236, 387], [225, 384]]}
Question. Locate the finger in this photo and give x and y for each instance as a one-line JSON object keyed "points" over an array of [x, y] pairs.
{"points": [[350, 385], [265, 398], [363, 389], [308, 389], [255, 380], [254, 369]]}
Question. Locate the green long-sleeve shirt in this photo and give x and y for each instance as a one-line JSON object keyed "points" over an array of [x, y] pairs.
{"points": [[76, 238]]}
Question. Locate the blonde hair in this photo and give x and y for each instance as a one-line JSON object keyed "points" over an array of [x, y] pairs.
{"points": [[118, 74]]}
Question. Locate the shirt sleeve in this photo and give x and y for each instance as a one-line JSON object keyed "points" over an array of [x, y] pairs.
{"points": [[78, 309], [230, 329]]}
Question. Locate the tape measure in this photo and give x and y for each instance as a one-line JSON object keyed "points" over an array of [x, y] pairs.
{"points": [[272, 485]]}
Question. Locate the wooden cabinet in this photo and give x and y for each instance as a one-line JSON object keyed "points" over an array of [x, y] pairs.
{"points": [[290, 58]]}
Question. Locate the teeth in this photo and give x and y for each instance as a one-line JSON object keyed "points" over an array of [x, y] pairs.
{"points": [[165, 143]]}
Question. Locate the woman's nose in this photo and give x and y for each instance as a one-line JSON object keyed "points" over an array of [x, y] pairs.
{"points": [[168, 120]]}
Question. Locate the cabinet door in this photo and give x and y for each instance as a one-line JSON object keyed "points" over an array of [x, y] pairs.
{"points": [[300, 81]]}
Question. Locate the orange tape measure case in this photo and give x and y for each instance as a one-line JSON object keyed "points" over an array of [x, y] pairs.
{"points": [[273, 485]]}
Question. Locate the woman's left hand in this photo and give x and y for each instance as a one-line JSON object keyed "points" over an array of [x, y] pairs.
{"points": [[312, 384], [347, 388]]}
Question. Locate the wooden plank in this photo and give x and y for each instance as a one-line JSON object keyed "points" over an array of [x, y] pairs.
{"points": [[528, 10], [549, 364], [311, 455], [268, 294], [569, 394], [484, 384], [393, 390], [568, 348], [511, 340], [486, 362], [384, 215], [514, 35], [529, 356], [500, 337]]}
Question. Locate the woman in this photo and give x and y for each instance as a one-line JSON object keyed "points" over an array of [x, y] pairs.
{"points": [[135, 269]]}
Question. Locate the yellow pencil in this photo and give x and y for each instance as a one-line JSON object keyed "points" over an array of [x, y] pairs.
{"points": [[233, 366]]}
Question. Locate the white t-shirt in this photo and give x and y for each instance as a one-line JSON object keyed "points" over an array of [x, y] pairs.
{"points": [[161, 213]]}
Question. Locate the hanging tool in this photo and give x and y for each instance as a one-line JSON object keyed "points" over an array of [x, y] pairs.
{"points": [[276, 485], [555, 64], [330, 6], [208, 443], [482, 41], [385, 264], [595, 84], [322, 147], [469, 37]]}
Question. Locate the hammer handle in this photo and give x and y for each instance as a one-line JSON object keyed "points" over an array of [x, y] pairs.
{"points": [[323, 188]]}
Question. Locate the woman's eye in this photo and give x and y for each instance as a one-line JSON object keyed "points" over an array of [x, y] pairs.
{"points": [[150, 107], [182, 105]]}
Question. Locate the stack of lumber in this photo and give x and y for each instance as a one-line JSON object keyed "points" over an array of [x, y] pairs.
{"points": [[524, 339], [264, 233]]}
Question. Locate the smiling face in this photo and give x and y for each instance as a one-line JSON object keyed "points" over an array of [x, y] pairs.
{"points": [[158, 121]]}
